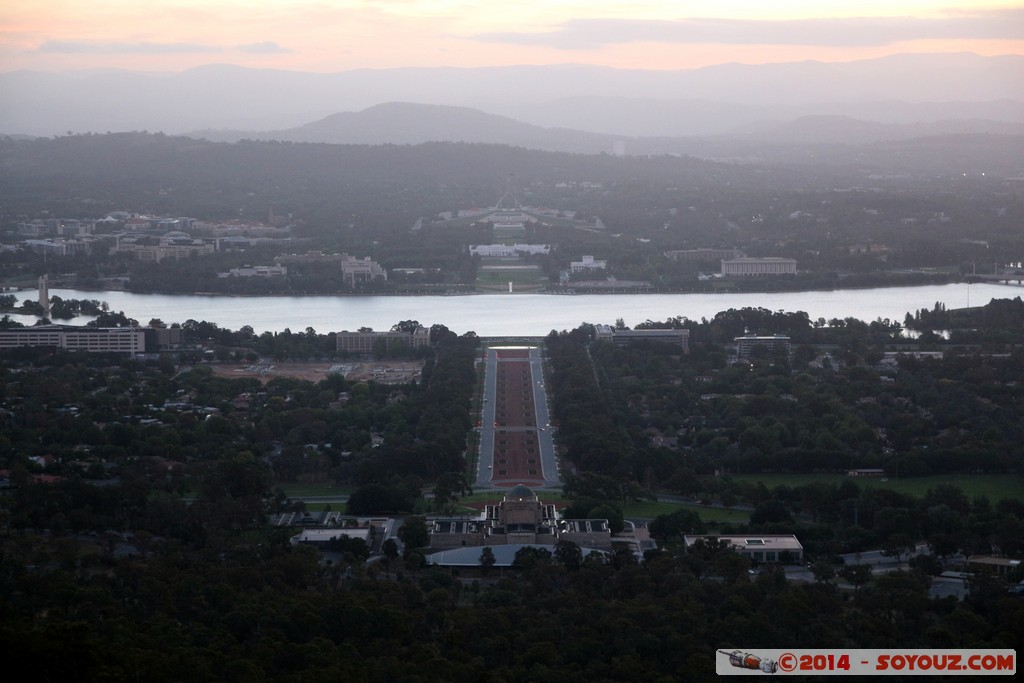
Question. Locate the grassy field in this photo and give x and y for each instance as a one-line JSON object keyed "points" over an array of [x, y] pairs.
{"points": [[512, 235], [525, 278], [994, 486]]}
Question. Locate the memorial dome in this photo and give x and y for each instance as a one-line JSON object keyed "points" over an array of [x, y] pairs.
{"points": [[520, 492]]}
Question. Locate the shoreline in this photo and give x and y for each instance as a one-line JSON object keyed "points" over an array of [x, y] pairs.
{"points": [[547, 292], [536, 314]]}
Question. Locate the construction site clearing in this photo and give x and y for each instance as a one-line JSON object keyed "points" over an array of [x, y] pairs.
{"points": [[385, 372]]}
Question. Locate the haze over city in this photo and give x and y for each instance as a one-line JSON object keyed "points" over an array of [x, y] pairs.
{"points": [[167, 35], [469, 341]]}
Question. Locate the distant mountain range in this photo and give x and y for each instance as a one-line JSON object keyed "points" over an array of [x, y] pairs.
{"points": [[901, 89], [404, 123]]}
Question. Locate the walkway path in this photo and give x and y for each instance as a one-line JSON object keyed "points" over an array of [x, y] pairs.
{"points": [[516, 445]]}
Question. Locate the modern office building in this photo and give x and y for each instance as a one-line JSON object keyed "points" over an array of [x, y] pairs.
{"points": [[703, 255], [679, 337], [130, 340], [751, 267], [745, 346], [783, 548], [366, 342]]}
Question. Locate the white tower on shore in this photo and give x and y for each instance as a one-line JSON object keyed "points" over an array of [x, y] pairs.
{"points": [[44, 296]]}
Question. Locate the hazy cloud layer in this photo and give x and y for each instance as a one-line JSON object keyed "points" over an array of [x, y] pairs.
{"points": [[845, 32], [144, 48], [265, 48], [93, 47]]}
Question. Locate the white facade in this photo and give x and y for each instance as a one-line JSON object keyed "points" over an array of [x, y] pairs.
{"points": [[362, 270], [508, 250], [587, 263]]}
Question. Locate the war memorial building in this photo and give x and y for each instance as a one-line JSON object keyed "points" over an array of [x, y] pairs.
{"points": [[519, 519]]}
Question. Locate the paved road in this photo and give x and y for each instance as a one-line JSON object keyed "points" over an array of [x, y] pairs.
{"points": [[546, 442], [485, 463]]}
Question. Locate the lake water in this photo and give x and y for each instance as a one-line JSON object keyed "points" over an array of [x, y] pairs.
{"points": [[521, 314]]}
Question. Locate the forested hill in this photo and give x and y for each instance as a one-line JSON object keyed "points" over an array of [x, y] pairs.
{"points": [[184, 176], [149, 158], [410, 123], [180, 175]]}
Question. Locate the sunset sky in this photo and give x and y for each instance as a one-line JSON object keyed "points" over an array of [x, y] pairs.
{"points": [[338, 35]]}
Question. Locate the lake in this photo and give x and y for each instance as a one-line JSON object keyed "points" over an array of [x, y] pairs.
{"points": [[521, 314]]}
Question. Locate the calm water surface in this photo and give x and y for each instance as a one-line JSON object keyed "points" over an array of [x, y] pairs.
{"points": [[525, 314]]}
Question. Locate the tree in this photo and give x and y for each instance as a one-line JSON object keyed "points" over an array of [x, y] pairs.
{"points": [[897, 544], [857, 575], [414, 533], [487, 560], [823, 571], [676, 524], [616, 521], [926, 564], [449, 487], [528, 556], [569, 555], [389, 549], [771, 511], [408, 326], [375, 499]]}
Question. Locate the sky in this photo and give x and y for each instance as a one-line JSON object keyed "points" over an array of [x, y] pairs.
{"points": [[340, 35]]}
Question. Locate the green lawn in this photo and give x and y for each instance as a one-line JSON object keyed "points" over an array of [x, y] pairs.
{"points": [[498, 279], [994, 486], [509, 235]]}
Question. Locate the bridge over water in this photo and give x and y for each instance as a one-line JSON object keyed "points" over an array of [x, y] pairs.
{"points": [[1007, 277]]}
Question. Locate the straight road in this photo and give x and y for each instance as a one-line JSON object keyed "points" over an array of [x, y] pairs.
{"points": [[546, 444], [485, 462]]}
